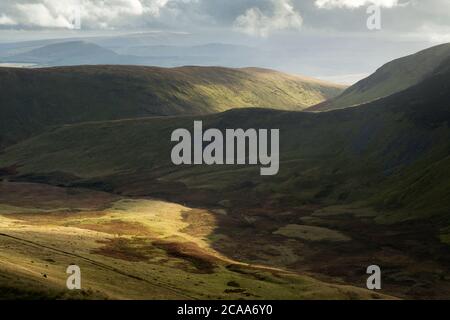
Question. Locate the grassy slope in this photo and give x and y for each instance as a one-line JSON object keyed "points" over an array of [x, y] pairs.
{"points": [[393, 77], [336, 157], [31, 100], [129, 249]]}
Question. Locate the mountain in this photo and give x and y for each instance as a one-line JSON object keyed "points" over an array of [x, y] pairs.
{"points": [[204, 50], [81, 52], [393, 77], [66, 53], [33, 99], [211, 54]]}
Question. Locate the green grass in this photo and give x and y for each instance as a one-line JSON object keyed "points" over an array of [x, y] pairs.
{"points": [[311, 233], [445, 238], [136, 249]]}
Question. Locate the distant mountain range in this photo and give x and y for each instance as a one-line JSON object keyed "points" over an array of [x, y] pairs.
{"points": [[69, 53], [72, 53], [393, 77], [204, 50], [310, 55]]}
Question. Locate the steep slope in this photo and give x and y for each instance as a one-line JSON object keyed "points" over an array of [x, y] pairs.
{"points": [[31, 100], [393, 77]]}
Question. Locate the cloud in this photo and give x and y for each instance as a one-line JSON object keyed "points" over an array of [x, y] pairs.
{"points": [[353, 4], [61, 14], [38, 14], [257, 23], [116, 13], [7, 21], [434, 33], [259, 18]]}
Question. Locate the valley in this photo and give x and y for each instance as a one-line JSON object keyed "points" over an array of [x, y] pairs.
{"points": [[130, 249]]}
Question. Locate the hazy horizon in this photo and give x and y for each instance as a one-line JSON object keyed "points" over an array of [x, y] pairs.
{"points": [[325, 39]]}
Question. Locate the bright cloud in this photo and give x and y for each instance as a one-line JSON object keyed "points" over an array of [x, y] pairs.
{"points": [[41, 15], [259, 18], [255, 22], [61, 14], [353, 4], [7, 21], [434, 33]]}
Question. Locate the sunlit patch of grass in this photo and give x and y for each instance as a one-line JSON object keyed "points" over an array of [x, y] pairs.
{"points": [[445, 238], [311, 233], [141, 249]]}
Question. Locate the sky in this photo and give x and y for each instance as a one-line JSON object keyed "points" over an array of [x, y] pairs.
{"points": [[406, 25]]}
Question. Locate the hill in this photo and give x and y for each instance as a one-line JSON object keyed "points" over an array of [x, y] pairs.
{"points": [[33, 99], [66, 53], [345, 149], [393, 77]]}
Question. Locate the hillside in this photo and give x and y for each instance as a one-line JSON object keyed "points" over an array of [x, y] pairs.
{"points": [[393, 77], [345, 149], [130, 248], [358, 186], [33, 99]]}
